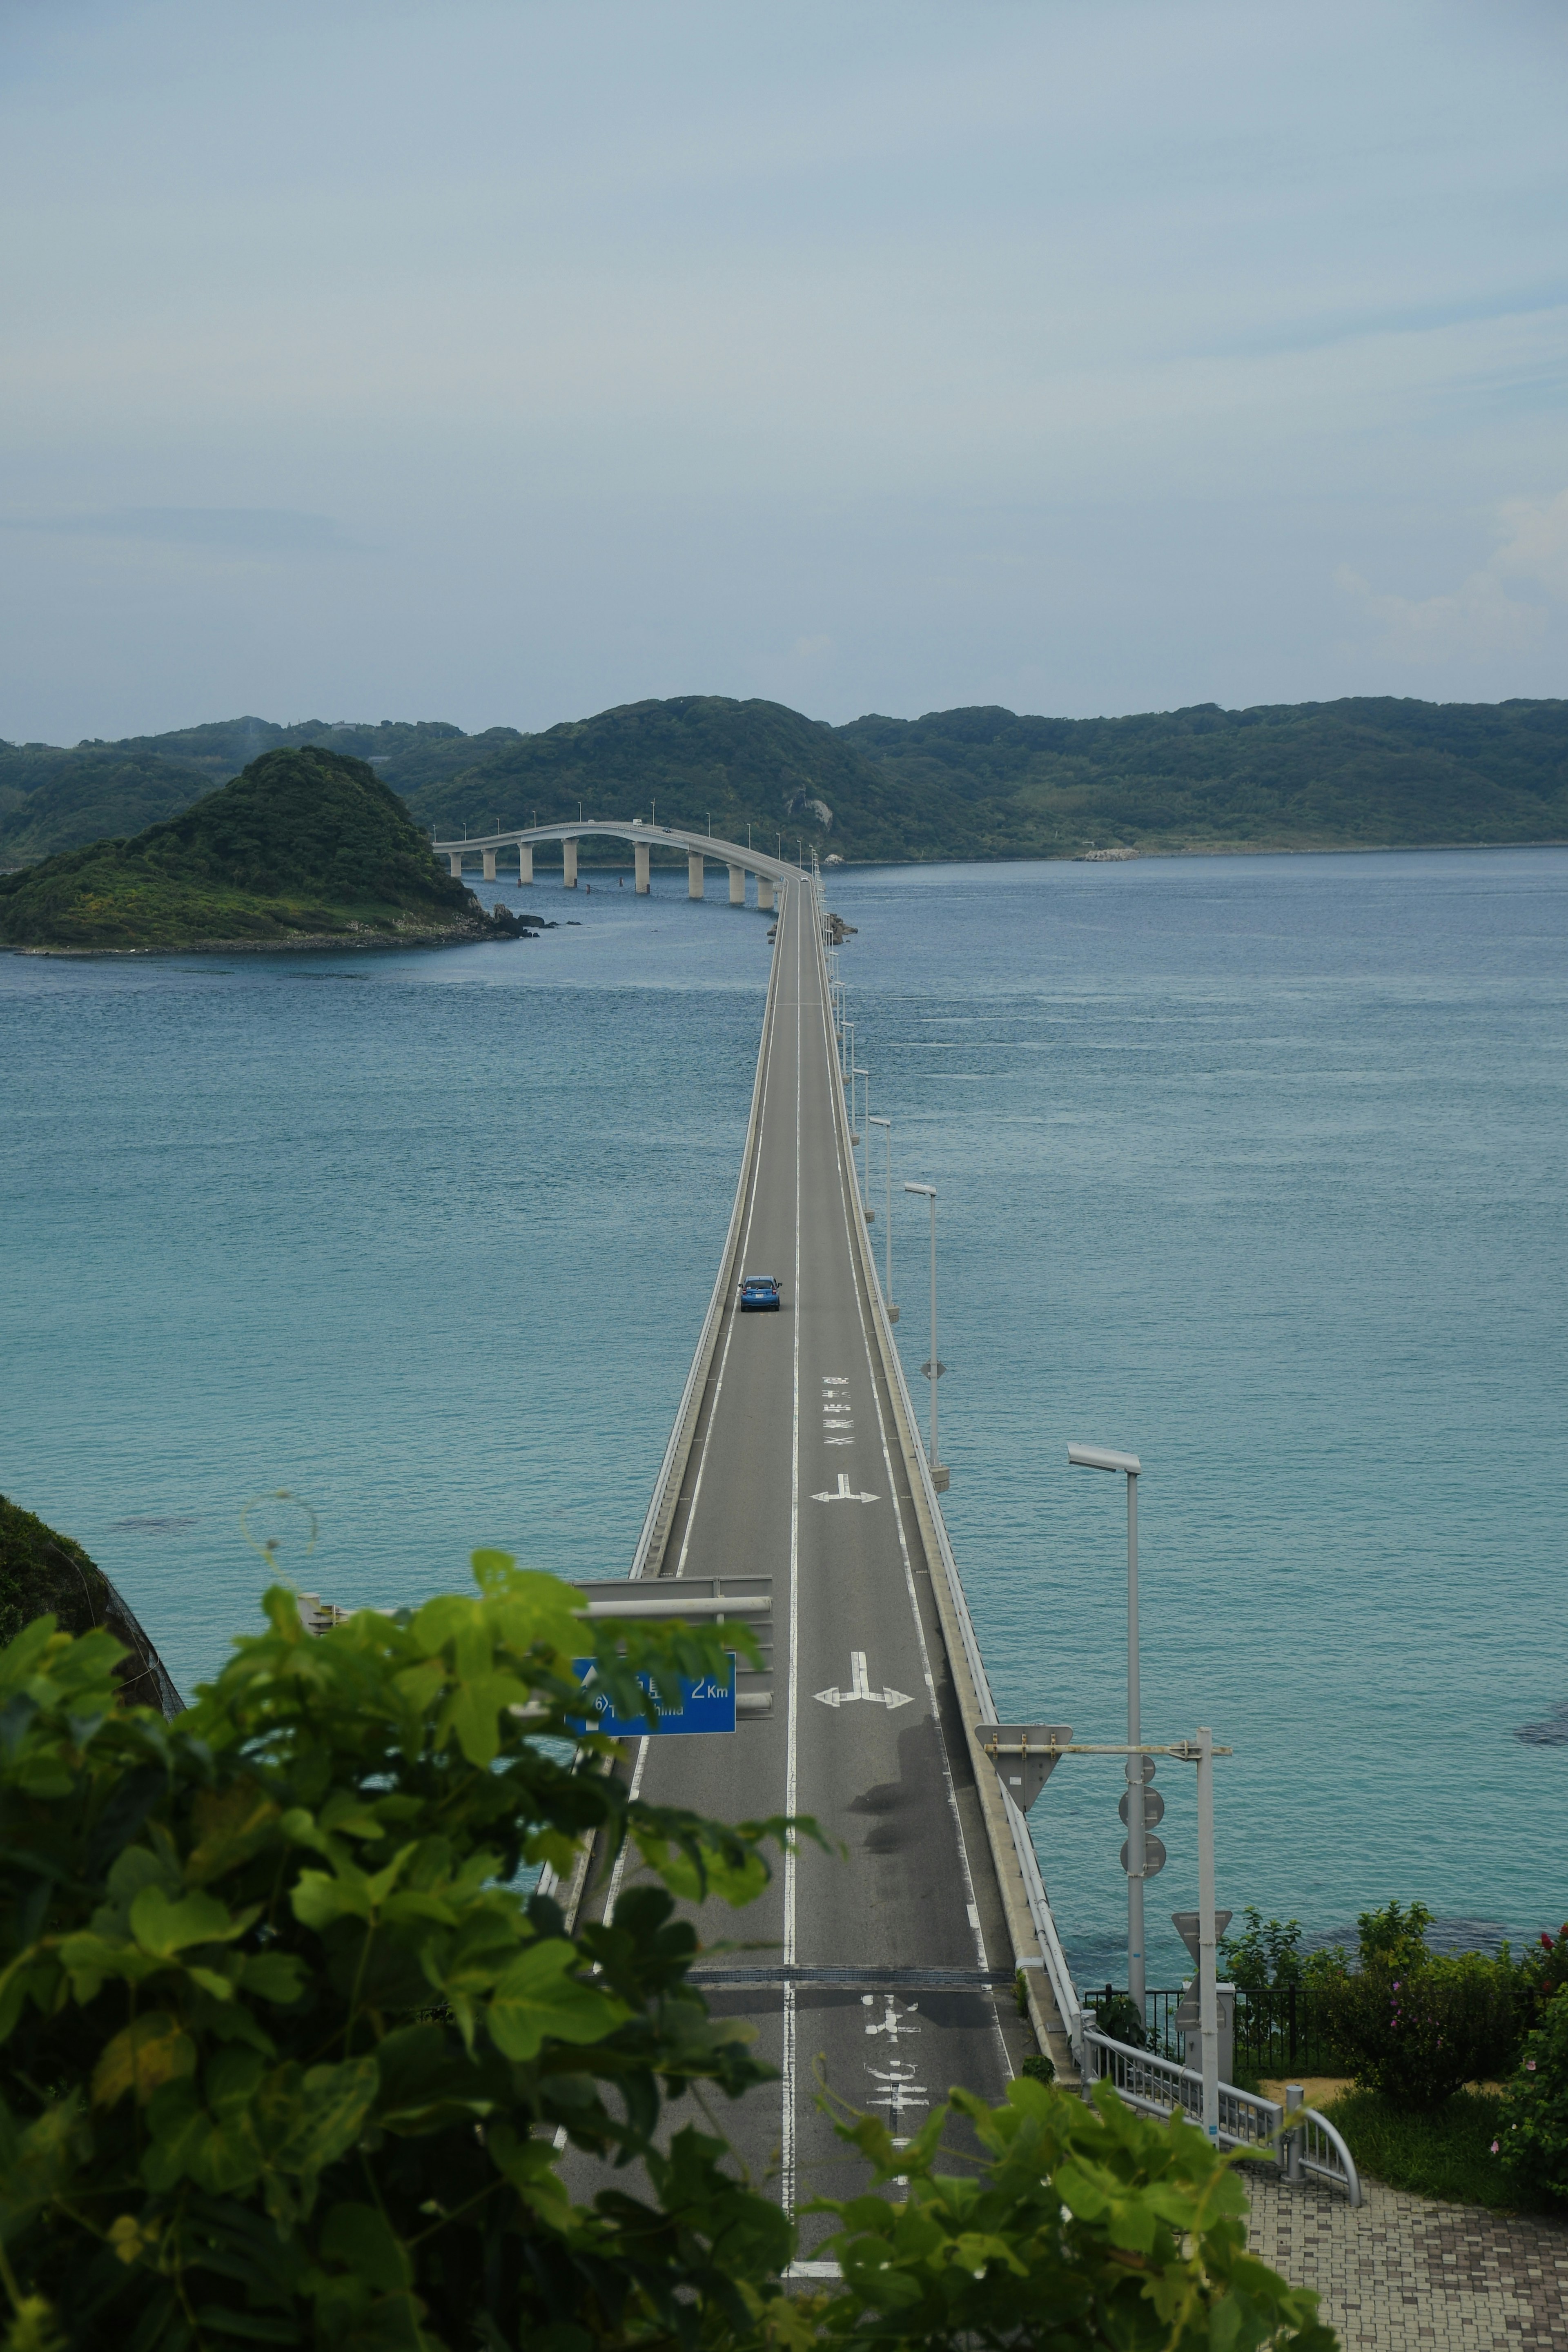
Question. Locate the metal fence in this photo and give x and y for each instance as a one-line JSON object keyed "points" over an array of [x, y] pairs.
{"points": [[1282, 2032]]}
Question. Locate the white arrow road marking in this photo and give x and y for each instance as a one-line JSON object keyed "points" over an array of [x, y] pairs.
{"points": [[860, 1688], [846, 1493]]}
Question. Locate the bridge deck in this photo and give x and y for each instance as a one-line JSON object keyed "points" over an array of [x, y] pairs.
{"points": [[887, 1970]]}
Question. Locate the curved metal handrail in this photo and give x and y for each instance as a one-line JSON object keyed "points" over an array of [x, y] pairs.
{"points": [[1341, 2175]]}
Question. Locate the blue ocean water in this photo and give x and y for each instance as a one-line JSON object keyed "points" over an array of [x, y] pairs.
{"points": [[1252, 1166]]}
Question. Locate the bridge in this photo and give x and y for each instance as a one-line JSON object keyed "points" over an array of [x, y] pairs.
{"points": [[700, 848], [795, 1457]]}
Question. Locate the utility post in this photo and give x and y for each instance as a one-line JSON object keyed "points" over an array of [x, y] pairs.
{"points": [[1208, 2003], [1100, 1457]]}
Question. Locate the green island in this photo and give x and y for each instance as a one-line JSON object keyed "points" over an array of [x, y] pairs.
{"points": [[1364, 772], [306, 846]]}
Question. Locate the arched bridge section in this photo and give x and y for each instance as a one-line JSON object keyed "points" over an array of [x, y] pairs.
{"points": [[772, 873]]}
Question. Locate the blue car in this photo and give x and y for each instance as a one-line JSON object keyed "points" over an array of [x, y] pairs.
{"points": [[760, 1293]]}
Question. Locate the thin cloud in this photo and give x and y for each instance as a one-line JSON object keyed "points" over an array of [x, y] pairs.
{"points": [[270, 530], [1479, 620]]}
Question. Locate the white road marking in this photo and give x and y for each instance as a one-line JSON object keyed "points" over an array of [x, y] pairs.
{"points": [[734, 1312], [1005, 2061], [619, 1870], [903, 2089], [860, 1688], [893, 2021], [787, 2059], [846, 1493]]}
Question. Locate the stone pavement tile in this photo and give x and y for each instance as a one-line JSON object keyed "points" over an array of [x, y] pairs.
{"points": [[1403, 2274]]}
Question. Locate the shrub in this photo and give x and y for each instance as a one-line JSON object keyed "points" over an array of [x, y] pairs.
{"points": [[285, 2055], [283, 2049], [1422, 2034], [1082, 2226], [1532, 2116], [1543, 1972], [1266, 1953]]}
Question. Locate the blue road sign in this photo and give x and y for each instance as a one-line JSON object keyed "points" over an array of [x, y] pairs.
{"points": [[705, 1706]]}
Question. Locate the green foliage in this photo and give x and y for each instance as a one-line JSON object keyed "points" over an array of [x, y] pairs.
{"points": [[1532, 2116], [284, 2051], [305, 842], [1077, 2227], [1447, 2154], [1543, 1972], [955, 784], [1264, 1953], [43, 1573], [1417, 2027]]}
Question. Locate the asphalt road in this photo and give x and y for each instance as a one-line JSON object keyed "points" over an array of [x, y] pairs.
{"points": [[883, 1975]]}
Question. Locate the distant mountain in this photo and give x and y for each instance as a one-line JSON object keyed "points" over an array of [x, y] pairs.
{"points": [[980, 782], [304, 844]]}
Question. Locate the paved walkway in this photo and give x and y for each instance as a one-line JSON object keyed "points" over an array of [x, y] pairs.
{"points": [[1402, 2274]]}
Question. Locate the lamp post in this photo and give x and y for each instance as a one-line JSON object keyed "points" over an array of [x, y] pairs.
{"points": [[864, 1192], [893, 1311], [1099, 1457], [939, 1476]]}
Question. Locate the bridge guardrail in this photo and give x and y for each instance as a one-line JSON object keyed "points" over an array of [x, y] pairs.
{"points": [[1054, 1959], [672, 1469]]}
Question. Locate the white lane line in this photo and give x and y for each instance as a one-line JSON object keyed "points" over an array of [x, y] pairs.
{"points": [[643, 1746], [733, 1316], [786, 2070], [971, 1907]]}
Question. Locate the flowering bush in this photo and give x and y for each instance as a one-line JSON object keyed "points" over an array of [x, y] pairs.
{"points": [[1544, 1968], [1532, 2121], [1417, 2027]]}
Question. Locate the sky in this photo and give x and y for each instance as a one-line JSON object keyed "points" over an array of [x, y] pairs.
{"points": [[498, 363]]}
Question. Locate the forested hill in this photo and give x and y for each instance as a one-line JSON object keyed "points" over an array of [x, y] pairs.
{"points": [[980, 782], [304, 844]]}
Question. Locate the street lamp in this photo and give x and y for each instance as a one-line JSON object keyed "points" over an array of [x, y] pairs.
{"points": [[893, 1311], [933, 1370], [863, 1193], [1100, 1457]]}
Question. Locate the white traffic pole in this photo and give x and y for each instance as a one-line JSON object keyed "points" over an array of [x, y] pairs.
{"points": [[1208, 2003], [864, 1134], [935, 1456], [1135, 1846]]}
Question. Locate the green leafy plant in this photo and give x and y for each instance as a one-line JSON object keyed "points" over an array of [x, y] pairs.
{"points": [[285, 2051], [1417, 2026], [1264, 1955], [1532, 2116], [1543, 1971], [1070, 2226]]}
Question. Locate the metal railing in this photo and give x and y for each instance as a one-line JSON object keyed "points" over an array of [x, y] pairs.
{"points": [[1281, 2031], [1253, 2125], [1164, 2087], [1284, 2030], [1312, 2145]]}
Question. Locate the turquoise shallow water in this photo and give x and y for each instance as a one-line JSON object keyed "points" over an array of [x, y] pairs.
{"points": [[1251, 1166]]}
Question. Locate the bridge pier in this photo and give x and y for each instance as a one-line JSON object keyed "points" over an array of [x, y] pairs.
{"points": [[525, 861], [569, 864], [765, 893], [694, 874], [639, 854], [455, 860], [490, 866], [737, 886]]}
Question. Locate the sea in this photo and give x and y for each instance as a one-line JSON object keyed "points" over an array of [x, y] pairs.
{"points": [[335, 1267]]}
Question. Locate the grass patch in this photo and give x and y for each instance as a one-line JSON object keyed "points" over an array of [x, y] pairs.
{"points": [[1447, 2154]]}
